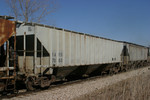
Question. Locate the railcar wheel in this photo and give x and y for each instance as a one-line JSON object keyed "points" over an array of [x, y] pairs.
{"points": [[45, 83], [30, 84]]}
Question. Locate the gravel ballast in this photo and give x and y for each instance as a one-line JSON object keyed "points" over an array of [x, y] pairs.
{"points": [[73, 91]]}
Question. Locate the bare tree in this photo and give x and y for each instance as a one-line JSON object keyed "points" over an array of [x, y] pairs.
{"points": [[31, 10]]}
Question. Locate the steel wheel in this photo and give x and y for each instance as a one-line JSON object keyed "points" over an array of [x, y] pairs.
{"points": [[30, 85]]}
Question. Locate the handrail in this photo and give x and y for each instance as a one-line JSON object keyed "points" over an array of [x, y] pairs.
{"points": [[6, 68]]}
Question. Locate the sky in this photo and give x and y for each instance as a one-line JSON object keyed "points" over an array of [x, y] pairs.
{"points": [[124, 20]]}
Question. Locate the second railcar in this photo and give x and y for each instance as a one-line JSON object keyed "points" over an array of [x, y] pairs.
{"points": [[138, 55]]}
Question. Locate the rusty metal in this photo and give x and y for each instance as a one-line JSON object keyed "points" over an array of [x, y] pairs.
{"points": [[10, 77], [7, 29]]}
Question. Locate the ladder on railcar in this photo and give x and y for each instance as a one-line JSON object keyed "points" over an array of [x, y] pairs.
{"points": [[7, 69]]}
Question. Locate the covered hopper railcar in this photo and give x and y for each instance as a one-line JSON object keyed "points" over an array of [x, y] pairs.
{"points": [[57, 53], [138, 55], [135, 55], [7, 55]]}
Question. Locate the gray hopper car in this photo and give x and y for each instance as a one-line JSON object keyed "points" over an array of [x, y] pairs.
{"points": [[59, 53], [136, 55]]}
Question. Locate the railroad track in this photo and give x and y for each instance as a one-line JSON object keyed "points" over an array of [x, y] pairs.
{"points": [[60, 84]]}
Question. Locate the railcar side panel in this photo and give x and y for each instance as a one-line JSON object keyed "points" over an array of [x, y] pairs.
{"points": [[137, 53], [79, 49]]}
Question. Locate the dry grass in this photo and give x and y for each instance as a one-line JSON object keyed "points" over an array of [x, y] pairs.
{"points": [[135, 88]]}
